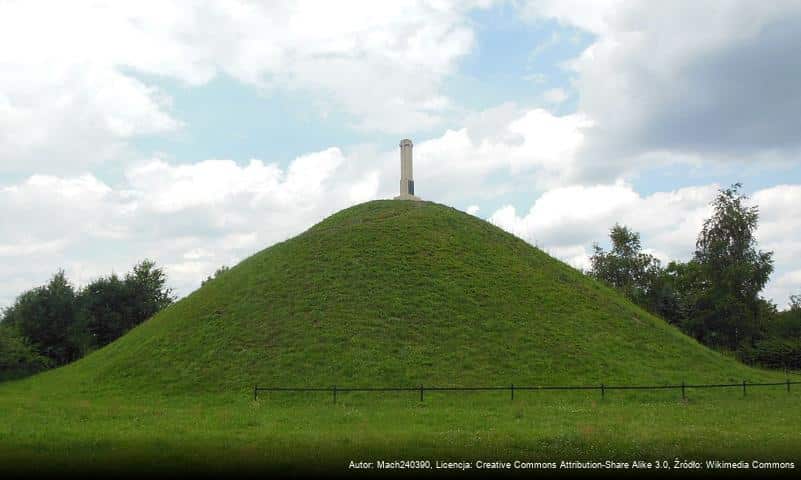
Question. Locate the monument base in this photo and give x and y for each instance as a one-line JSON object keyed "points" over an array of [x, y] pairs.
{"points": [[406, 196]]}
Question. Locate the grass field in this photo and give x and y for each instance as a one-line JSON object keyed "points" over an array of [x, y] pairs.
{"points": [[301, 433], [392, 293]]}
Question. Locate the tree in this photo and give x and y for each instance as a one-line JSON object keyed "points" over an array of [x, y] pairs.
{"points": [[674, 292], [147, 285], [787, 324], [626, 267], [105, 310], [46, 316], [17, 356], [732, 272], [110, 306], [681, 281], [58, 324], [795, 303]]}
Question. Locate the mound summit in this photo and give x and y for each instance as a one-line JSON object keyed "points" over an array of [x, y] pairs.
{"points": [[396, 293]]}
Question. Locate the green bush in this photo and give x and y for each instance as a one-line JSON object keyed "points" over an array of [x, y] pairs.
{"points": [[17, 356], [775, 353]]}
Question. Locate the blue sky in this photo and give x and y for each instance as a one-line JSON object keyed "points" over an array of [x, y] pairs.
{"points": [[516, 61], [199, 134], [230, 120]]}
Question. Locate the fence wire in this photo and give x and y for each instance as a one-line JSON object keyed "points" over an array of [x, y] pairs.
{"points": [[602, 388]]}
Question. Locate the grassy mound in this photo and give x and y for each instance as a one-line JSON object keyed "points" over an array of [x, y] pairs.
{"points": [[396, 293]]}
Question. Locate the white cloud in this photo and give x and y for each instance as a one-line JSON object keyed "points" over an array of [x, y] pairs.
{"points": [[779, 224], [165, 188], [530, 149], [672, 81], [591, 15], [786, 284], [71, 93], [555, 95]]}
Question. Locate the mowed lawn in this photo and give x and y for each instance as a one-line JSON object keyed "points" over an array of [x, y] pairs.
{"points": [[302, 432]]}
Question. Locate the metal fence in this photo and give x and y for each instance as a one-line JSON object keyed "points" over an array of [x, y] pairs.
{"points": [[602, 388]]}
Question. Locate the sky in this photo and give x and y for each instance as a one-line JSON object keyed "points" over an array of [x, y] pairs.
{"points": [[198, 133]]}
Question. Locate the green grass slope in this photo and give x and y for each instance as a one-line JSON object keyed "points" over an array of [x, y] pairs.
{"points": [[395, 293]]}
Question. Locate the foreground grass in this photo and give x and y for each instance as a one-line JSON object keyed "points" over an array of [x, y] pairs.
{"points": [[301, 433]]}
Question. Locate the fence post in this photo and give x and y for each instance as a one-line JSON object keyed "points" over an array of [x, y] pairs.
{"points": [[683, 395], [255, 393], [743, 387], [602, 390], [788, 385], [513, 391], [335, 393], [421, 392]]}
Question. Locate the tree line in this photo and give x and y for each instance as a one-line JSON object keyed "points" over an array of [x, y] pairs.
{"points": [[715, 296], [56, 323]]}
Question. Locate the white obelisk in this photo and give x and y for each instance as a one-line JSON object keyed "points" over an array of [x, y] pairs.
{"points": [[407, 179]]}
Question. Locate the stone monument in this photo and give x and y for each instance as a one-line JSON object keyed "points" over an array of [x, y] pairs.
{"points": [[406, 180]]}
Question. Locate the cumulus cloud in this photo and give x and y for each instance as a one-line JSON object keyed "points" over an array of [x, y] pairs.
{"points": [[780, 222], [73, 89], [532, 149], [566, 221], [590, 15], [672, 81], [784, 285], [555, 95]]}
